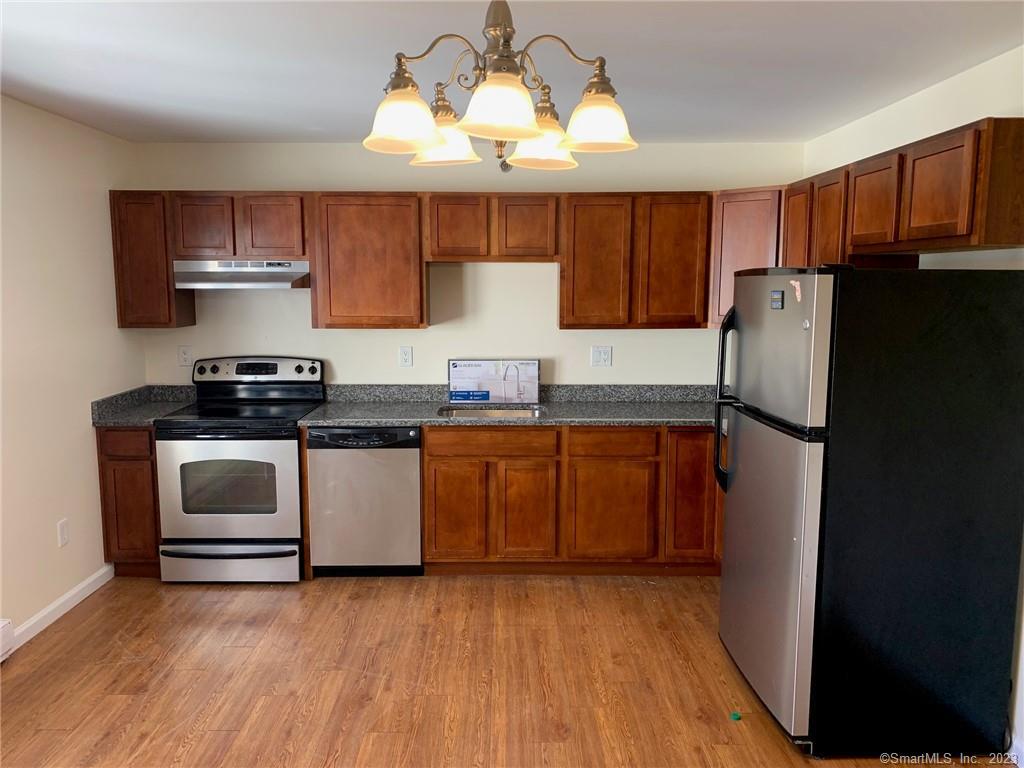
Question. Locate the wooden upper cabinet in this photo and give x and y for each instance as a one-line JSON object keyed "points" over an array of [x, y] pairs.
{"points": [[458, 225], [368, 271], [828, 240], [203, 225], [744, 235], [873, 208], [455, 509], [671, 259], [595, 274], [526, 508], [798, 205], [526, 227], [144, 281], [269, 226], [938, 186], [690, 516]]}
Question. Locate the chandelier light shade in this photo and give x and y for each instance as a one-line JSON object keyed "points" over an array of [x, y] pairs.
{"points": [[501, 81], [544, 153], [403, 125], [501, 109], [598, 124], [456, 148]]}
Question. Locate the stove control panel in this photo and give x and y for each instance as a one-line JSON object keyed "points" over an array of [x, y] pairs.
{"points": [[269, 369]]}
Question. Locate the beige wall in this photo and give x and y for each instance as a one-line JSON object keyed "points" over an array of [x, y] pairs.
{"points": [[993, 88], [61, 348], [479, 309]]}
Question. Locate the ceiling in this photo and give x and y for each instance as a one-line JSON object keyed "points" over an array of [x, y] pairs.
{"points": [[297, 71]]}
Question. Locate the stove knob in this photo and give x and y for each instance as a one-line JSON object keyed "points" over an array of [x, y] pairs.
{"points": [[299, 369], [214, 368], [312, 370], [201, 370]]}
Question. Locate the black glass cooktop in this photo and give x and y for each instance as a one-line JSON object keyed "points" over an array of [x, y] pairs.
{"points": [[261, 412]]}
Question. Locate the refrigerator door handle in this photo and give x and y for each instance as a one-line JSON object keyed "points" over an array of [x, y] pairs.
{"points": [[728, 324], [721, 473]]}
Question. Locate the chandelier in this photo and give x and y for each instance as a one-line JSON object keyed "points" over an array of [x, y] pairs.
{"points": [[501, 107]]}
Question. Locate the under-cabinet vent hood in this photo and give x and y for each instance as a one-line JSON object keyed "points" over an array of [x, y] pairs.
{"points": [[217, 273]]}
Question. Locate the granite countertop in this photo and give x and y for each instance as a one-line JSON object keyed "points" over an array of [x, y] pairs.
{"points": [[376, 405], [340, 414]]}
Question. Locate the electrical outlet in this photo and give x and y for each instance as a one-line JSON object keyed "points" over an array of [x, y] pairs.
{"points": [[62, 532], [405, 357], [185, 357], [600, 357]]}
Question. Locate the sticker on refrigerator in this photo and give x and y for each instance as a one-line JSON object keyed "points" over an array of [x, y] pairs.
{"points": [[776, 299], [494, 381]]}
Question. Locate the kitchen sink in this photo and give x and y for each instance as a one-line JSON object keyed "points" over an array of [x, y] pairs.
{"points": [[455, 412]]}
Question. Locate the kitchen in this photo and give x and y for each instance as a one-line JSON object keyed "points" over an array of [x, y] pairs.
{"points": [[569, 611]]}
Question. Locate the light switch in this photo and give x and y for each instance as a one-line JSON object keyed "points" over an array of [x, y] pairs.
{"points": [[600, 357], [405, 357]]}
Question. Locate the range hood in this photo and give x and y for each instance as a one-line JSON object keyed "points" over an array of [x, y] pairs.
{"points": [[217, 273]]}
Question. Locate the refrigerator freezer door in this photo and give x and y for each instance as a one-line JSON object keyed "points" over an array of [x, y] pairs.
{"points": [[783, 340], [769, 564]]}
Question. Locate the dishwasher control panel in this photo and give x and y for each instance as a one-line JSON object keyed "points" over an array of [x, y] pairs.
{"points": [[356, 437]]}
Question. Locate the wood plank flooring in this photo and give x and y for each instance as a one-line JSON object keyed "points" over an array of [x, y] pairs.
{"points": [[456, 671]]}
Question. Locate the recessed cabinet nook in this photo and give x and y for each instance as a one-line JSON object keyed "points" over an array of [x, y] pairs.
{"points": [[626, 260]]}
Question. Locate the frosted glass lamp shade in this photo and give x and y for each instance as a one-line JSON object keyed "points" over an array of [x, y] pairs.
{"points": [[544, 153], [455, 150], [598, 124], [501, 108], [402, 125]]}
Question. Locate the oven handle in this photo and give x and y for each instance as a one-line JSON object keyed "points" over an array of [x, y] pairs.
{"points": [[286, 433], [186, 555]]}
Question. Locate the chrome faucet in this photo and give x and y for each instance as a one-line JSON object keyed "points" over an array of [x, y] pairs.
{"points": [[519, 385]]}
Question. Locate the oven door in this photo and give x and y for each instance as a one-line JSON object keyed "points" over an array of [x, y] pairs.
{"points": [[233, 488]]}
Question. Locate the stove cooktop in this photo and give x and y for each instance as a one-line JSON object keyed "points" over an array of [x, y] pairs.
{"points": [[240, 413]]}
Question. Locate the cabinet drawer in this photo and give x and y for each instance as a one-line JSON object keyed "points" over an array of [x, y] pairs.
{"points": [[125, 443], [613, 441], [472, 441]]}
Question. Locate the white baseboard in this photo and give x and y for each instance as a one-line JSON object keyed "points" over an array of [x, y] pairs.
{"points": [[25, 632], [6, 638]]}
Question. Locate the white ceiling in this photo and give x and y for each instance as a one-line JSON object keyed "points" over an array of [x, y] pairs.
{"points": [[297, 71]]}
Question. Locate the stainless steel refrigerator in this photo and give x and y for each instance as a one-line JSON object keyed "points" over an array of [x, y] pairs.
{"points": [[870, 440]]}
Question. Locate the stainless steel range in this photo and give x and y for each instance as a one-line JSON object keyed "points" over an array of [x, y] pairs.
{"points": [[228, 470]]}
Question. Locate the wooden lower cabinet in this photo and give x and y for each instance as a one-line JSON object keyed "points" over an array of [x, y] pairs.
{"points": [[691, 512], [570, 497], [128, 497], [612, 508]]}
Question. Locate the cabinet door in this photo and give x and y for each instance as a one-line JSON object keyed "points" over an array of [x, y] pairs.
{"points": [[874, 200], [455, 509], [671, 259], [129, 510], [204, 225], [143, 279], [829, 216], [270, 226], [691, 505], [526, 508], [596, 263], [796, 229], [612, 508], [938, 187], [526, 226], [368, 271], [744, 235], [458, 225]]}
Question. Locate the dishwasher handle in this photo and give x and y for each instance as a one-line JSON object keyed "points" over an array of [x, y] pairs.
{"points": [[363, 437]]}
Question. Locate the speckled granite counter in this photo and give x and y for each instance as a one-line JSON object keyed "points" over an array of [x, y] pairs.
{"points": [[393, 405], [340, 414]]}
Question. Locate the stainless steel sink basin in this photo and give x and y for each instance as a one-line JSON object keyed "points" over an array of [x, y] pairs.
{"points": [[455, 412]]}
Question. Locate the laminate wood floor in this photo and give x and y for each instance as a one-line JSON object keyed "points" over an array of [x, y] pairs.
{"points": [[437, 671]]}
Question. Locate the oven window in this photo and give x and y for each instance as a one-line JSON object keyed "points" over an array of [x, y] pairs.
{"points": [[228, 487]]}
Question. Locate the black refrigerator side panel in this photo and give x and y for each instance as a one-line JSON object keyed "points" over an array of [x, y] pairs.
{"points": [[923, 514]]}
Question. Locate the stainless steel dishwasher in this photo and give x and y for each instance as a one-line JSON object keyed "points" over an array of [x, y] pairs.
{"points": [[364, 500]]}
